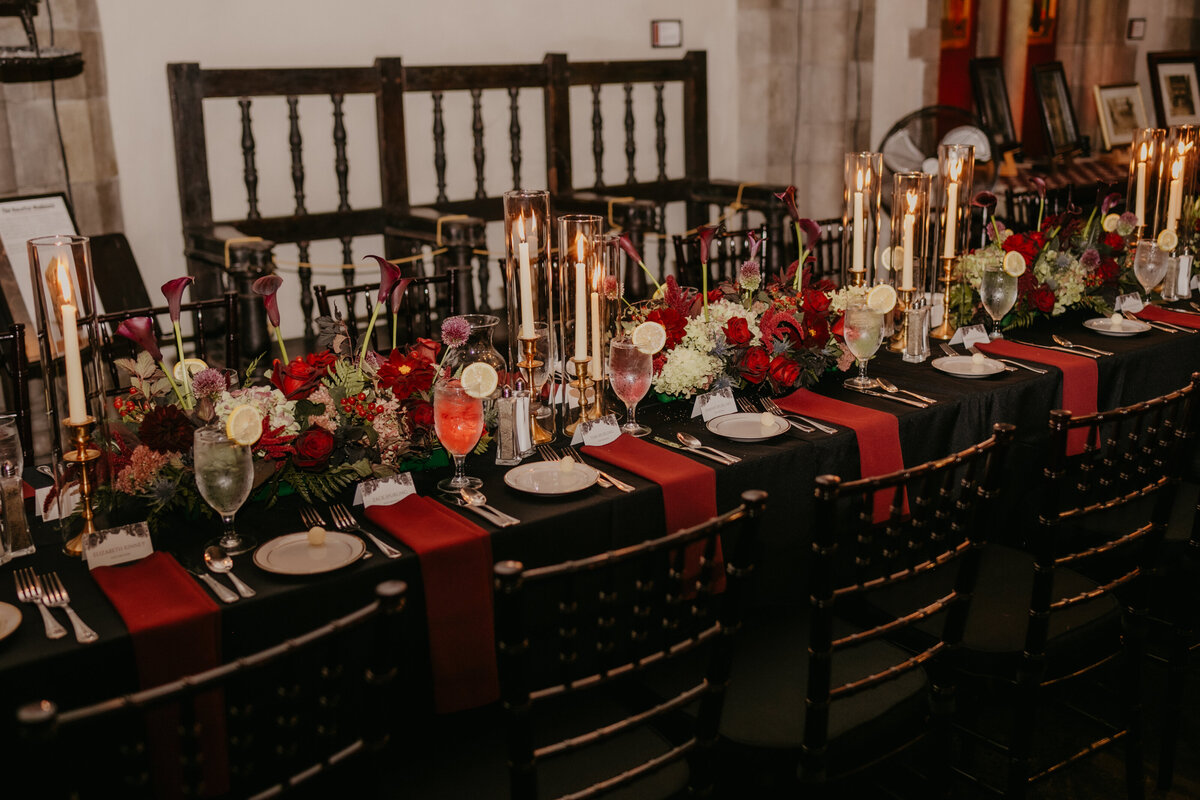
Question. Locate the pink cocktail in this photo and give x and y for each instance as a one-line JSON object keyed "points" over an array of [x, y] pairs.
{"points": [[629, 372], [458, 422]]}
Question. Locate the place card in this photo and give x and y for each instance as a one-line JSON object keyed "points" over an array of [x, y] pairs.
{"points": [[384, 491], [70, 499], [597, 432], [1131, 302], [714, 404], [117, 545], [970, 335]]}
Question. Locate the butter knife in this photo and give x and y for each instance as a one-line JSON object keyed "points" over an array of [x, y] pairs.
{"points": [[704, 453], [1010, 361], [1082, 353], [222, 592], [885, 396]]}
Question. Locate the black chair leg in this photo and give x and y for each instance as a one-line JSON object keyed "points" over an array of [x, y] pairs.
{"points": [[1135, 775], [1172, 705]]}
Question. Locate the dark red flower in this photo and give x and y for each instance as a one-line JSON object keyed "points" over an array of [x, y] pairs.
{"points": [[737, 332], [166, 429], [706, 234], [1025, 244], [812, 232], [788, 196], [1108, 270], [716, 294], [674, 323], [140, 331], [626, 244], [1110, 202], [313, 448], [426, 349], [389, 273], [406, 374], [984, 199], [173, 291], [421, 414], [784, 372], [301, 377], [815, 302], [397, 294], [1114, 240], [1042, 299], [754, 364], [267, 287]]}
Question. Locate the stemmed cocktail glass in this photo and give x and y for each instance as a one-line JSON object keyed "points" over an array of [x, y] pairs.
{"points": [[458, 422], [863, 330], [998, 291], [224, 476], [629, 372]]}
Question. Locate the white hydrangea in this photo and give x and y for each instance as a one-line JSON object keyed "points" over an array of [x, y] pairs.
{"points": [[722, 311], [840, 299], [1068, 280], [973, 264], [687, 371], [271, 403]]}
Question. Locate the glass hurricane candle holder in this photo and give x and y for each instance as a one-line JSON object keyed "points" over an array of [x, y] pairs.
{"points": [[910, 242], [861, 216], [530, 295], [956, 179], [1145, 177], [579, 259], [1177, 187]]}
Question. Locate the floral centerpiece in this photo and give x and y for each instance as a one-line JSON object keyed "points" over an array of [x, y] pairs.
{"points": [[317, 422], [1070, 264], [765, 334]]}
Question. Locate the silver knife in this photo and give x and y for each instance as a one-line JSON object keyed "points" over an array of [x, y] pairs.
{"points": [[1014, 363], [704, 453], [885, 396], [1083, 353], [222, 592], [487, 512]]}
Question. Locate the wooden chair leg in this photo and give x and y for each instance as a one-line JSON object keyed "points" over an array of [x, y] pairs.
{"points": [[1135, 775], [1172, 705]]}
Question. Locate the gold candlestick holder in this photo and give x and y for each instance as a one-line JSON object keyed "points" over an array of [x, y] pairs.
{"points": [[858, 277], [904, 299], [528, 365], [599, 406], [83, 455], [945, 331], [582, 382]]}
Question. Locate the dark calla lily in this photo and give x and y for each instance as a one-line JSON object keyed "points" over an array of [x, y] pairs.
{"points": [[626, 244], [1040, 185], [398, 294], [756, 242], [389, 273], [1110, 202], [1074, 210], [812, 232], [140, 331], [173, 291], [788, 196], [984, 199], [267, 286], [706, 234]]}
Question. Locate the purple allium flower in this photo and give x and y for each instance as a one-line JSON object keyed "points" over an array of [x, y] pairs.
{"points": [[140, 331], [1129, 218], [749, 276], [455, 331], [1090, 258], [208, 382]]}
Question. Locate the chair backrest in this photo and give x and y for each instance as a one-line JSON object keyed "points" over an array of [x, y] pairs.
{"points": [[727, 251], [1133, 455], [828, 251], [856, 554], [16, 369], [293, 712], [579, 625], [199, 343], [426, 302]]}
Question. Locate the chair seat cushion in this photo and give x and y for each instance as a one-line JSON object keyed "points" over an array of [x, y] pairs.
{"points": [[765, 702]]}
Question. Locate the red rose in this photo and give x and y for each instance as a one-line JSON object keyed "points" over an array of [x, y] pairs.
{"points": [[737, 332], [815, 302], [406, 374], [784, 372], [754, 364], [1042, 298], [715, 294], [1027, 245], [1108, 270], [674, 322], [421, 414], [427, 350], [1114, 240], [313, 448], [300, 378]]}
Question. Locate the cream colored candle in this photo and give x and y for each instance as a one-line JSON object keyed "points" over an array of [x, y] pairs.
{"points": [[906, 279], [597, 355], [525, 277], [860, 243], [952, 208], [1140, 202], [580, 303], [76, 398], [1175, 195]]}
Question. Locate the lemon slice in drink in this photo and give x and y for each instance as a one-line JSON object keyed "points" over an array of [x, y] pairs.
{"points": [[649, 337], [1167, 239], [881, 299], [1109, 223], [244, 424], [479, 379], [193, 365], [1014, 264]]}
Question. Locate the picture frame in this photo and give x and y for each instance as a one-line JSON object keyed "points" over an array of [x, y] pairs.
{"points": [[1121, 112], [1059, 122], [990, 93], [1175, 87]]}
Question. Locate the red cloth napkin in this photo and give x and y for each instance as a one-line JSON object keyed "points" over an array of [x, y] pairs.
{"points": [[456, 569], [1156, 314], [176, 631], [689, 491], [1080, 380], [27, 491], [878, 435]]}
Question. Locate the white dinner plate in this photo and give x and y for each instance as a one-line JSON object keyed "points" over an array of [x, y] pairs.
{"points": [[551, 477], [10, 619], [291, 554], [748, 427], [967, 366], [1127, 327]]}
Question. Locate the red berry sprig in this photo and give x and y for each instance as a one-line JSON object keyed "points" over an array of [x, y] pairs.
{"points": [[358, 406]]}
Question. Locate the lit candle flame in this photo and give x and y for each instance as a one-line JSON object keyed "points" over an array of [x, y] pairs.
{"points": [[521, 226], [860, 180], [1176, 169], [579, 247], [955, 168], [912, 201], [1143, 154], [63, 277]]}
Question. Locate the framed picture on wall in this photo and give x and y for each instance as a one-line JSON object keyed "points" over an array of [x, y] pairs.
{"points": [[1174, 87], [956, 23], [991, 101], [1054, 103], [1121, 111]]}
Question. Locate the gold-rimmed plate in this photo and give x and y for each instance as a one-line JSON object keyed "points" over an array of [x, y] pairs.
{"points": [[291, 554]]}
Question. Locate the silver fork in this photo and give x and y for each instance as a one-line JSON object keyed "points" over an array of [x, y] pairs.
{"points": [[747, 405], [312, 518], [547, 453], [771, 408], [30, 591], [347, 523], [770, 405], [616, 483], [55, 595]]}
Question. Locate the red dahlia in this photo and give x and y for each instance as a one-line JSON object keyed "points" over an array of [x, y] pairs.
{"points": [[166, 429]]}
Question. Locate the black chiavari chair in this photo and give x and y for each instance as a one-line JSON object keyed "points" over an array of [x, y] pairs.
{"points": [[425, 304], [727, 252], [16, 368]]}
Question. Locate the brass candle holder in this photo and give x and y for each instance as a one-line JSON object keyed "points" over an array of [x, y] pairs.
{"points": [[858, 277], [599, 406], [582, 382], [83, 455], [904, 300], [528, 365], [945, 331]]}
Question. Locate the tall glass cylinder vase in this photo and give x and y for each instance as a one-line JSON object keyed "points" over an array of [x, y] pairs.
{"points": [[530, 299], [862, 195], [910, 244], [68, 341], [579, 260], [1177, 187], [611, 287], [956, 180], [1145, 176]]}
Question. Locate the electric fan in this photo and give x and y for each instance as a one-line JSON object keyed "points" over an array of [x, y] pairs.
{"points": [[911, 145]]}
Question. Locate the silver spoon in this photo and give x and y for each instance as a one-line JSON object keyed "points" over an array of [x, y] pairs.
{"points": [[217, 560], [1065, 342], [474, 497], [692, 443], [892, 388]]}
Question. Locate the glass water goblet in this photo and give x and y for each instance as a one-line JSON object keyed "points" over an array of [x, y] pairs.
{"points": [[863, 329], [224, 476], [1149, 265], [458, 422], [629, 372], [998, 291]]}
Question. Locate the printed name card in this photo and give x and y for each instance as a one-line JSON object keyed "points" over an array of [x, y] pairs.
{"points": [[69, 500], [384, 491], [117, 545], [1131, 302], [714, 404], [597, 432], [970, 335]]}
